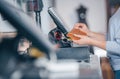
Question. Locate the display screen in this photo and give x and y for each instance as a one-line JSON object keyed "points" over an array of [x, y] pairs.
{"points": [[60, 24]]}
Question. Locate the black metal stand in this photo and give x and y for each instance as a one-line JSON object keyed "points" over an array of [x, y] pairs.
{"points": [[38, 18]]}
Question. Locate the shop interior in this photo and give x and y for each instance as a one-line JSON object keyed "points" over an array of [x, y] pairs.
{"points": [[34, 42]]}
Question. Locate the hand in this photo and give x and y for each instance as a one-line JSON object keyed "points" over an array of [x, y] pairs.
{"points": [[82, 27], [84, 40]]}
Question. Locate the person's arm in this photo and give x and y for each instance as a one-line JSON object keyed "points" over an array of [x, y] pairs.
{"points": [[97, 43], [85, 40], [84, 28], [97, 36], [109, 46]]}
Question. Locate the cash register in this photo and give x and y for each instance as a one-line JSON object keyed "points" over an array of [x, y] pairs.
{"points": [[66, 50]]}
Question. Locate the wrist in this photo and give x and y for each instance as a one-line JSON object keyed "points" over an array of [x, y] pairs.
{"points": [[91, 41], [89, 34]]}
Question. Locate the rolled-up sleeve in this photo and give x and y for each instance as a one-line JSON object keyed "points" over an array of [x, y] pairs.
{"points": [[113, 46]]}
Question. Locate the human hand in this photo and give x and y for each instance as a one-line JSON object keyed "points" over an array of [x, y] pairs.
{"points": [[82, 27], [84, 40]]}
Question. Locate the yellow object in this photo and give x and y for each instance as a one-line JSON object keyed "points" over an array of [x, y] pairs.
{"points": [[34, 52]]}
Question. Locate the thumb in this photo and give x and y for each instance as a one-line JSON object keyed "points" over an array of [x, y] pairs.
{"points": [[82, 30], [76, 35]]}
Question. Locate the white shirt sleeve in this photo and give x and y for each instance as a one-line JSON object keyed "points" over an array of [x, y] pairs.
{"points": [[114, 46]]}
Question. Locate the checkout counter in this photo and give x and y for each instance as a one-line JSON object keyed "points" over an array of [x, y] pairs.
{"points": [[57, 64]]}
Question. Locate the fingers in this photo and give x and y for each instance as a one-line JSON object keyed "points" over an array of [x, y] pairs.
{"points": [[82, 30], [76, 41], [79, 25], [80, 36]]}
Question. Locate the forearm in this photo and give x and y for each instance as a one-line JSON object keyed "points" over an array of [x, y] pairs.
{"points": [[109, 46], [97, 36], [97, 43]]}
